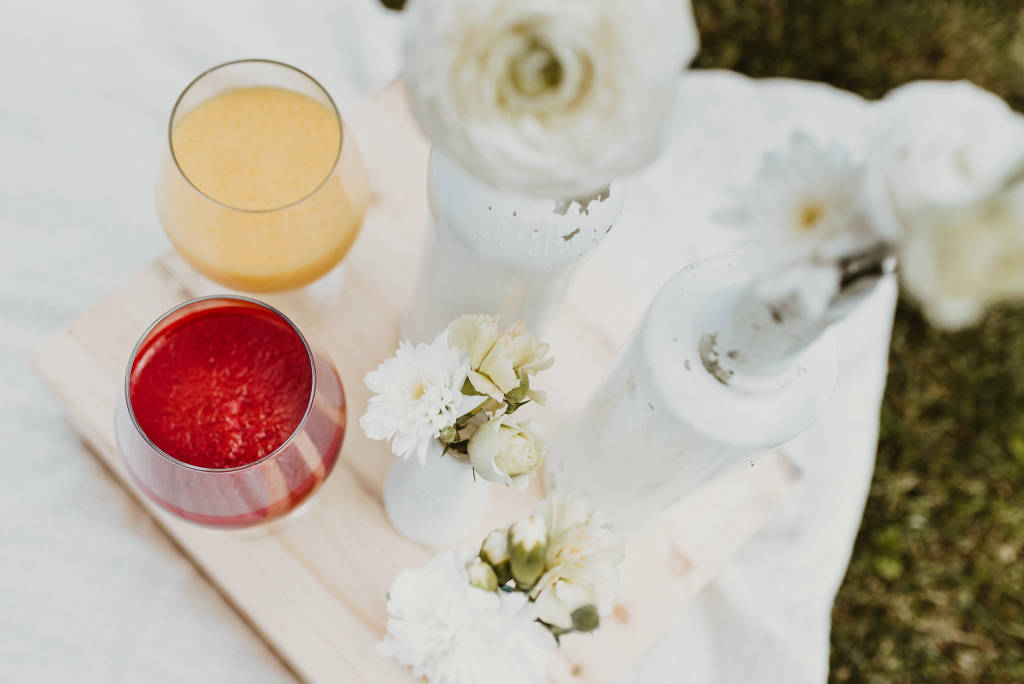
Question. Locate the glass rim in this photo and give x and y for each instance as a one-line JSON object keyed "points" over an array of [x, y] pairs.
{"points": [[255, 60], [234, 469]]}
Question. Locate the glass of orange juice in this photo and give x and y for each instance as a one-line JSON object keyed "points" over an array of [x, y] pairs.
{"points": [[263, 190]]}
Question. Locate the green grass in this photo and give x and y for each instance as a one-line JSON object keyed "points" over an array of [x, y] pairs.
{"points": [[935, 590]]}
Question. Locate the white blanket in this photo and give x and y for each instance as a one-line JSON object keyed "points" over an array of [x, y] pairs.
{"points": [[92, 591]]}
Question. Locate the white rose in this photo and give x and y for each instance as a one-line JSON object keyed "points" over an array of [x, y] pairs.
{"points": [[552, 98], [583, 559], [499, 361], [960, 262], [936, 146], [508, 449]]}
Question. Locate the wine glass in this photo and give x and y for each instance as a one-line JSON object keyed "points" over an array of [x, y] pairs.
{"points": [[262, 189], [181, 422]]}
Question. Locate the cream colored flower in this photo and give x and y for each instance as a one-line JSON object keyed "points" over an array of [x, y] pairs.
{"points": [[552, 98], [498, 362], [960, 262], [508, 449], [474, 334], [582, 564], [938, 146]]}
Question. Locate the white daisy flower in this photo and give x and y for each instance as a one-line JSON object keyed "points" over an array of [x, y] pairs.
{"points": [[452, 632], [801, 217], [803, 206], [418, 393]]}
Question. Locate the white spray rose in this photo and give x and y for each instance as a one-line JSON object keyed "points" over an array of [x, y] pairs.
{"points": [[474, 334], [552, 98], [499, 361], [960, 262], [508, 449], [938, 146], [582, 564]]}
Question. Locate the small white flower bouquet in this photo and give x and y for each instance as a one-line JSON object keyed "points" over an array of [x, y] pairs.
{"points": [[497, 616], [458, 397]]}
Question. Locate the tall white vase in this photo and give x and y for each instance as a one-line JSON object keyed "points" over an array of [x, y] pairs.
{"points": [[494, 252], [682, 404], [436, 503]]}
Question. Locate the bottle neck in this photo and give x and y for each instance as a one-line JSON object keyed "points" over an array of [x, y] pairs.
{"points": [[749, 339]]}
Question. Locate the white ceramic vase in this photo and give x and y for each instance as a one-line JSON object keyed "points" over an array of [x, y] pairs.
{"points": [[437, 503], [500, 253], [712, 377]]}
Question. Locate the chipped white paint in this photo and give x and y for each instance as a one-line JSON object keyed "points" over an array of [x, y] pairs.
{"points": [[496, 252]]}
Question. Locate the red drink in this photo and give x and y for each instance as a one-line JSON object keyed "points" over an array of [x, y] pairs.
{"points": [[230, 418]]}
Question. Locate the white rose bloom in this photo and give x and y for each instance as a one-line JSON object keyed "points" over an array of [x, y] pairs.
{"points": [[962, 261], [454, 633], [552, 98], [508, 449], [937, 146], [417, 393], [583, 560]]}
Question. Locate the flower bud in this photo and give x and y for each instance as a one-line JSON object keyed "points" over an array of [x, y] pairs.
{"points": [[528, 546], [494, 551], [482, 575], [519, 394], [585, 618], [449, 434]]}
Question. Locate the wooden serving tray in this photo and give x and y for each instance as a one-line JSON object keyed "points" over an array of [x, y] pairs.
{"points": [[315, 587]]}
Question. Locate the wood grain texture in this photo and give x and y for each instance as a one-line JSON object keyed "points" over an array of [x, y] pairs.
{"points": [[315, 587]]}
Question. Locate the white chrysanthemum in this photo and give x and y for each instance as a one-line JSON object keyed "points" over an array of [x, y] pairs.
{"points": [[454, 633], [962, 261], [552, 98], [417, 393], [583, 560], [937, 146]]}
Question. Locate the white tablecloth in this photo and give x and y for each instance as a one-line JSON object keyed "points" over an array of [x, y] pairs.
{"points": [[91, 590]]}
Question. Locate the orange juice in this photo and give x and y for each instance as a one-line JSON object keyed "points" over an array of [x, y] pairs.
{"points": [[263, 191]]}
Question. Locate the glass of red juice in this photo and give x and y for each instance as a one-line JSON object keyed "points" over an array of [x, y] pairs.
{"points": [[229, 417]]}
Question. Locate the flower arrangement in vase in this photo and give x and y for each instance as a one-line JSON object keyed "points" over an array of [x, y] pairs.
{"points": [[450, 411], [498, 614], [536, 113], [734, 358]]}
